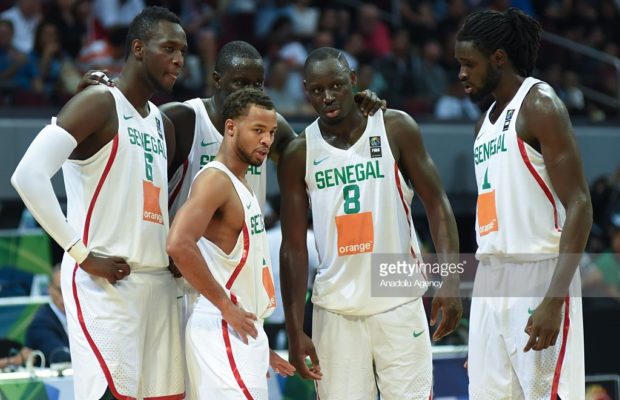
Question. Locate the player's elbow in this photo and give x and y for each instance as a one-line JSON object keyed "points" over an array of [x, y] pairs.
{"points": [[20, 178], [175, 246]]}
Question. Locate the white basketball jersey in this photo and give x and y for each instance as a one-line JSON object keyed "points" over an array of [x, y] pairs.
{"points": [[360, 206], [207, 141], [518, 213], [118, 197], [245, 272]]}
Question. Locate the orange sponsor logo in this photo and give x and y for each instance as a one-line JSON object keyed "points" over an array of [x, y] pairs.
{"points": [[152, 211], [487, 213], [355, 233], [269, 287]]}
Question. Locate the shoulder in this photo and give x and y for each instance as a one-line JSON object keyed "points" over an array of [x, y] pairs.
{"points": [[181, 114], [399, 119], [400, 126], [542, 113], [542, 99], [296, 147], [213, 180], [177, 109], [96, 97]]}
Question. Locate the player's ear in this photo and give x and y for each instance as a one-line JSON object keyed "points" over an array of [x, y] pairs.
{"points": [[216, 79], [499, 57], [137, 48], [229, 127]]}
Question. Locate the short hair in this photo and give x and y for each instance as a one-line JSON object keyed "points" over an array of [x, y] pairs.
{"points": [[235, 49], [326, 53], [238, 102], [515, 32], [145, 23]]}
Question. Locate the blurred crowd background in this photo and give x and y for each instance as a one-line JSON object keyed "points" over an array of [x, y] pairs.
{"points": [[402, 50]]}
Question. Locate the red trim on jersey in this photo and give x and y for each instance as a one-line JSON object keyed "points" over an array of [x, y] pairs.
{"points": [[539, 180], [244, 257], [233, 298], [558, 366], [89, 214], [404, 203], [177, 189]]}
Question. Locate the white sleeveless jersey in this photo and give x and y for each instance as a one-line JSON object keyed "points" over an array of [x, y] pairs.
{"points": [[207, 141], [518, 213], [118, 197], [245, 272], [360, 207]]}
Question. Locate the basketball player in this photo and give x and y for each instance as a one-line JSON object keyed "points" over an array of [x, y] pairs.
{"points": [[532, 221], [218, 242], [113, 146], [357, 173]]}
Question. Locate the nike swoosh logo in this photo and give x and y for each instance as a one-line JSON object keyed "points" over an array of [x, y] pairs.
{"points": [[203, 144], [317, 162], [249, 205], [416, 334], [530, 311], [126, 117]]}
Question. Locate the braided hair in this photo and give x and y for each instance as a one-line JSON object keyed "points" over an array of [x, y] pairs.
{"points": [[515, 32]]}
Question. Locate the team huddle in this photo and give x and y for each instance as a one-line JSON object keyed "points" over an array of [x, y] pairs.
{"points": [[158, 193]]}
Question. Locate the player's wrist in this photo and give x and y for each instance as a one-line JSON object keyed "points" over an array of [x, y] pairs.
{"points": [[79, 252]]}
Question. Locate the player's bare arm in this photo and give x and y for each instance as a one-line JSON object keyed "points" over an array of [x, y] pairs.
{"points": [[545, 125], [294, 255], [211, 193], [183, 118], [418, 168]]}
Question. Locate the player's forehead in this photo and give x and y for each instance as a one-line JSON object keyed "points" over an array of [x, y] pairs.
{"points": [[258, 116], [248, 68], [466, 49], [328, 70], [167, 31]]}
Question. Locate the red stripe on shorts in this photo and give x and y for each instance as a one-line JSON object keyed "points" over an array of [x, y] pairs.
{"points": [[558, 366]]}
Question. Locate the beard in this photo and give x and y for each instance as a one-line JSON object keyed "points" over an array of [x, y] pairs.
{"points": [[490, 82]]}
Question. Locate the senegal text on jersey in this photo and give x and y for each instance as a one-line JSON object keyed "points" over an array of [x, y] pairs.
{"points": [[348, 174], [149, 143], [489, 149]]}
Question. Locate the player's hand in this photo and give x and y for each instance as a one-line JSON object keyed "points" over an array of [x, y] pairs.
{"points": [[543, 326], [369, 103], [94, 77], [172, 267], [299, 347], [280, 365], [112, 268], [447, 300], [240, 320]]}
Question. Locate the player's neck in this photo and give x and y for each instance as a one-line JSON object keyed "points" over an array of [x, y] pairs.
{"points": [[506, 90], [231, 160], [136, 93], [344, 130]]}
